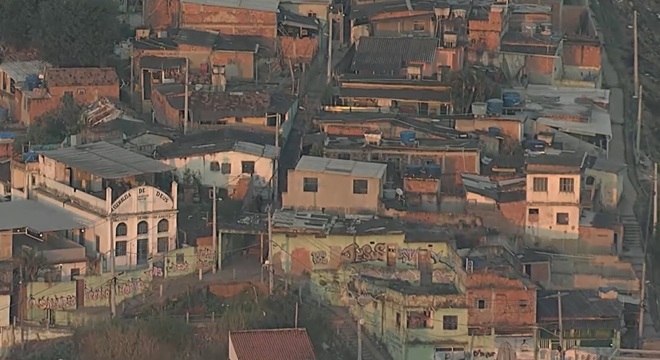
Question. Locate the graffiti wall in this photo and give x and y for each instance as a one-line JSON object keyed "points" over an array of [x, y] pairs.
{"points": [[523, 346], [58, 296]]}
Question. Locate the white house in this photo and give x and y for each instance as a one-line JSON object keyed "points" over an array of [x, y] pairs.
{"points": [[222, 158], [117, 192]]}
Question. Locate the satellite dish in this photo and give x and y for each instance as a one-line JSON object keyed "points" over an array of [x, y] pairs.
{"points": [[399, 191]]}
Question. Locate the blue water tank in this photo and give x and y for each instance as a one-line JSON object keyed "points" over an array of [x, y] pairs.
{"points": [[6, 135], [32, 81], [408, 137], [495, 106], [511, 98]]}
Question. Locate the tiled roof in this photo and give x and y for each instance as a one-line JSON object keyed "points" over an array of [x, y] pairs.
{"points": [[81, 76], [272, 344], [389, 55]]}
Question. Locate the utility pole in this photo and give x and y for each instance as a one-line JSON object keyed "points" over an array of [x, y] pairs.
{"points": [[640, 111], [276, 167], [185, 104], [359, 339], [113, 279], [636, 54], [642, 300], [329, 72], [270, 250], [216, 255], [561, 326]]}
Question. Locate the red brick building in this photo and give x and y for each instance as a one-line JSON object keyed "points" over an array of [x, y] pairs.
{"points": [[85, 85]]}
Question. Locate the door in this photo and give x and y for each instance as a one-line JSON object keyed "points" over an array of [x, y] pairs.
{"points": [[142, 251]]}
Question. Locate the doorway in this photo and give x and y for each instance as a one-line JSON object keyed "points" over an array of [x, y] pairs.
{"points": [[142, 251]]}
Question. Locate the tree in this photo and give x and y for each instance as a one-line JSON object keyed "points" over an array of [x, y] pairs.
{"points": [[31, 263], [53, 127], [76, 32], [17, 21]]}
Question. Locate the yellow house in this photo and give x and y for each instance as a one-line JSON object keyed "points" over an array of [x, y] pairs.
{"points": [[553, 196], [414, 322]]}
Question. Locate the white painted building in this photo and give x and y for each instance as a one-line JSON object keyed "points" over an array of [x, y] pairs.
{"points": [[553, 196], [115, 191], [222, 158]]}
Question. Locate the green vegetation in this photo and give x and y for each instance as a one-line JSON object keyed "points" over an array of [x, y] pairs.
{"points": [[65, 32], [55, 126], [164, 334]]}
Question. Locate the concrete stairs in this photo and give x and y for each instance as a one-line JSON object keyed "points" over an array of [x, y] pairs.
{"points": [[346, 329], [633, 250]]}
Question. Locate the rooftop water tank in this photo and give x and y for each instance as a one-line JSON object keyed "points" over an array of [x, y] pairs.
{"points": [[495, 106], [479, 108], [511, 99], [408, 137], [32, 82]]}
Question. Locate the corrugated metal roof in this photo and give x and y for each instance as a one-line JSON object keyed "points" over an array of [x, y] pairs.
{"points": [[19, 70], [38, 216], [259, 5], [344, 167], [273, 344], [378, 55], [107, 161]]}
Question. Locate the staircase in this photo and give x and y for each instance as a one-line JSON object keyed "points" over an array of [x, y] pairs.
{"points": [[633, 250], [347, 332]]}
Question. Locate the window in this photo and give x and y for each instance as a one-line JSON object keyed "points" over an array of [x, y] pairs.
{"points": [[523, 304], [590, 180], [398, 320], [540, 184], [481, 304], [450, 322], [97, 241], [143, 228], [120, 248], [423, 108], [566, 185], [528, 269], [163, 244], [562, 218], [344, 156], [533, 215], [74, 272], [121, 230], [419, 320], [360, 186], [226, 168], [310, 184], [215, 166], [247, 167], [80, 91], [311, 14], [180, 259], [418, 26], [163, 226]]}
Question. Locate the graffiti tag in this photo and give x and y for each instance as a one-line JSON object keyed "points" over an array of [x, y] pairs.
{"points": [[319, 257], [356, 254], [173, 267], [483, 354], [409, 256], [54, 302]]}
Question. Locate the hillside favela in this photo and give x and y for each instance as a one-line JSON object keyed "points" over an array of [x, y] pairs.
{"points": [[329, 179]]}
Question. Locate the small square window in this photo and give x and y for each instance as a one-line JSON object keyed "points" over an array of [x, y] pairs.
{"points": [[523, 304], [418, 26], [310, 184], [225, 168], [481, 304], [540, 184], [163, 244], [215, 166], [121, 248], [344, 156], [360, 186], [180, 258], [247, 167], [562, 218], [450, 322]]}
